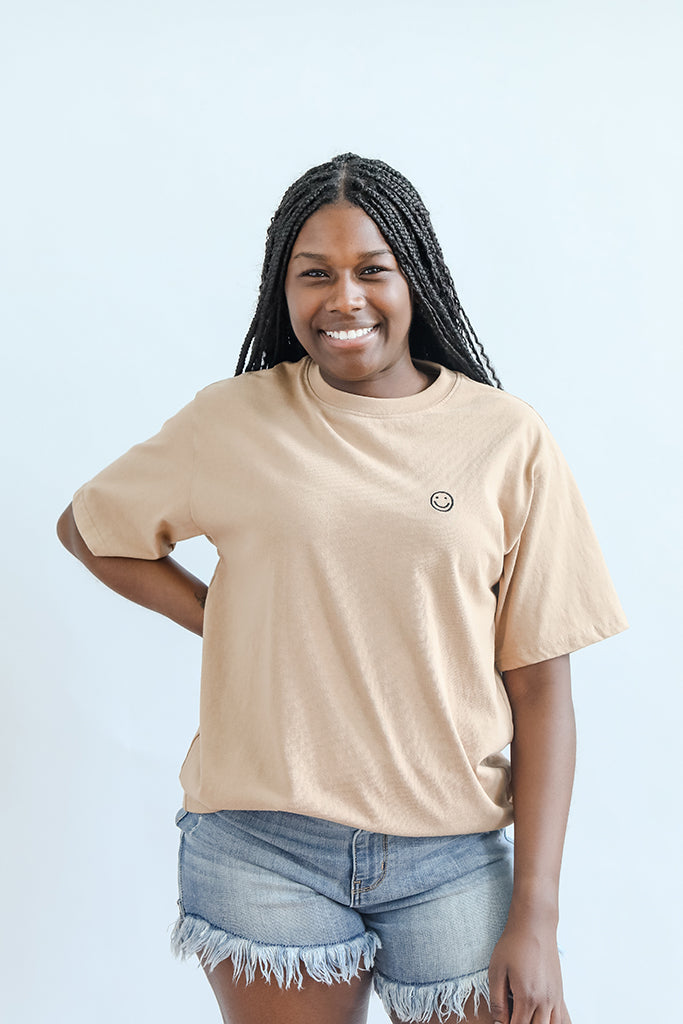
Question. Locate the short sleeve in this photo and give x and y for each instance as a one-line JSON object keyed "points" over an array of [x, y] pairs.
{"points": [[140, 505], [555, 594]]}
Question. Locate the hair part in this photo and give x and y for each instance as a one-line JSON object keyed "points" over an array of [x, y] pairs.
{"points": [[440, 330]]}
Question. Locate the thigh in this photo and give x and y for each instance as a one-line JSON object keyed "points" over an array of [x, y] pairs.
{"points": [[315, 1002]]}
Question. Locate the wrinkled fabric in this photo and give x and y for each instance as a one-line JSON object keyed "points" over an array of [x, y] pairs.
{"points": [[381, 563]]}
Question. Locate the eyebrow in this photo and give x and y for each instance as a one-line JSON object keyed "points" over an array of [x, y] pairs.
{"points": [[362, 256]]}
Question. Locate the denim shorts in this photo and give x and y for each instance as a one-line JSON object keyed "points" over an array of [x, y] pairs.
{"points": [[280, 891]]}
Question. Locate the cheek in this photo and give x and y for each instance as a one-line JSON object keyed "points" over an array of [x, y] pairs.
{"points": [[401, 300], [301, 305], [293, 305]]}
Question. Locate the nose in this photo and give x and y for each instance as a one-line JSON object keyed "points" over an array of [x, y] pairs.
{"points": [[346, 295]]}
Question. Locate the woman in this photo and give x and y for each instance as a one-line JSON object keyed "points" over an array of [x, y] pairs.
{"points": [[405, 564]]}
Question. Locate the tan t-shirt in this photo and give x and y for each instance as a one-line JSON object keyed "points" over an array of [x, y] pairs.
{"points": [[381, 562]]}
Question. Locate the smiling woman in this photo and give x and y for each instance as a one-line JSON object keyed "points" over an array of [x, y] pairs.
{"points": [[349, 304], [439, 327], [405, 565]]}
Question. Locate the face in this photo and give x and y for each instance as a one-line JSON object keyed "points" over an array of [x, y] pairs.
{"points": [[342, 277]]}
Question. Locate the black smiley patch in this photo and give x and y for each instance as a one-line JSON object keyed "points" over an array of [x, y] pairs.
{"points": [[442, 501]]}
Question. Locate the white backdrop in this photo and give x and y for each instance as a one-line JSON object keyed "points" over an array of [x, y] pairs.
{"points": [[146, 144]]}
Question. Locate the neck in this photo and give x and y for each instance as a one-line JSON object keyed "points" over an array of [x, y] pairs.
{"points": [[394, 382]]}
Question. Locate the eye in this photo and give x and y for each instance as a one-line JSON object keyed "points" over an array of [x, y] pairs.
{"points": [[374, 270], [312, 273]]}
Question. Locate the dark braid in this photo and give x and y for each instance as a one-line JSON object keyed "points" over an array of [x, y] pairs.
{"points": [[440, 331]]}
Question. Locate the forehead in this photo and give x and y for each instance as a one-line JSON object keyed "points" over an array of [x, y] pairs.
{"points": [[339, 228]]}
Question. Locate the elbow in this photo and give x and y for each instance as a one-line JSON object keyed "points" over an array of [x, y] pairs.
{"points": [[67, 531]]}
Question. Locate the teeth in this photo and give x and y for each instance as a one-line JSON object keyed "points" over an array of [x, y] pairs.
{"points": [[348, 335]]}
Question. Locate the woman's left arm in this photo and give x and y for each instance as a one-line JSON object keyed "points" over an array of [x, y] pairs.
{"points": [[525, 963]]}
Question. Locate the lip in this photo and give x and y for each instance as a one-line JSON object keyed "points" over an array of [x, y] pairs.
{"points": [[350, 342]]}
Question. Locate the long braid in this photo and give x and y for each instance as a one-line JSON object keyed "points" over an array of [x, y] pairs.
{"points": [[440, 331]]}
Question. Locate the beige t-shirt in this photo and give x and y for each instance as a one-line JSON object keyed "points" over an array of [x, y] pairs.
{"points": [[381, 562]]}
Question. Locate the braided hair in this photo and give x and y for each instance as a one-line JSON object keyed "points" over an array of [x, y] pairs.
{"points": [[440, 330]]}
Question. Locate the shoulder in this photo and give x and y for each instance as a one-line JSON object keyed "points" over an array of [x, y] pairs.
{"points": [[250, 390], [501, 413]]}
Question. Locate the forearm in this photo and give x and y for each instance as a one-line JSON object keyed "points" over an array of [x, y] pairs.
{"points": [[162, 585], [543, 754]]}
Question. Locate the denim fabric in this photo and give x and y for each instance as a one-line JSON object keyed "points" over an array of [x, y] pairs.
{"points": [[281, 892]]}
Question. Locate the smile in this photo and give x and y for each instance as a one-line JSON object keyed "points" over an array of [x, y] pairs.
{"points": [[349, 335]]}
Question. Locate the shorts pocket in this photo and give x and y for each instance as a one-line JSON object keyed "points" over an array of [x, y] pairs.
{"points": [[187, 821]]}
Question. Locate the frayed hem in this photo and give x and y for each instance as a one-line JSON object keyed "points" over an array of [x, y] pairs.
{"points": [[419, 1002], [339, 962]]}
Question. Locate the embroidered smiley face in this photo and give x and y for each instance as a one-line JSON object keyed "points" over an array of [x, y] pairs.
{"points": [[442, 501]]}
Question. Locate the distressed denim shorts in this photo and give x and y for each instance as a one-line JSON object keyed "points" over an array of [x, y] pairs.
{"points": [[280, 892]]}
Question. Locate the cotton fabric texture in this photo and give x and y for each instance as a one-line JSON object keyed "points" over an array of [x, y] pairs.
{"points": [[381, 562]]}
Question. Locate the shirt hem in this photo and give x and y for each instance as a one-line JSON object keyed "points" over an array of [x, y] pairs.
{"points": [[86, 525], [556, 650]]}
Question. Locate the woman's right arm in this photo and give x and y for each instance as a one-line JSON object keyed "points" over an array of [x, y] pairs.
{"points": [[162, 584]]}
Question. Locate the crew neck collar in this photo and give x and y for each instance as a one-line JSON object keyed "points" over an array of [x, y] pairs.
{"points": [[446, 381]]}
